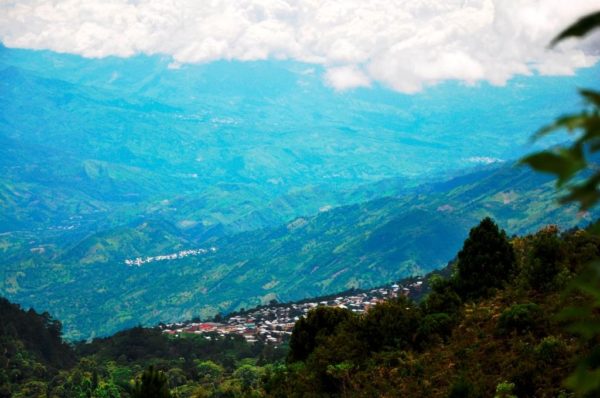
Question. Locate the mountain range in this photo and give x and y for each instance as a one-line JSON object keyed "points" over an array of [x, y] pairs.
{"points": [[87, 283], [299, 189]]}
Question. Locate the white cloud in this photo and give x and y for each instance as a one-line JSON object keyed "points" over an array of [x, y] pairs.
{"points": [[403, 44], [484, 160], [346, 77]]}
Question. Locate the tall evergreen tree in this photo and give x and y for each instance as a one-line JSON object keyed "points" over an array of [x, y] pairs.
{"points": [[486, 260]]}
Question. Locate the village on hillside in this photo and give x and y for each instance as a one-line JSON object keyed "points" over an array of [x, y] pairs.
{"points": [[139, 261], [273, 324]]}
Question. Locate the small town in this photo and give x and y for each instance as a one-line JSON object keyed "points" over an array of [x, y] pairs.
{"points": [[273, 324], [139, 261]]}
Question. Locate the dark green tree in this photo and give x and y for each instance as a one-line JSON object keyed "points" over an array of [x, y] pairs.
{"points": [[434, 328], [442, 298], [486, 260], [318, 324], [346, 347], [153, 384], [546, 260], [521, 318], [248, 376], [209, 372], [391, 324]]}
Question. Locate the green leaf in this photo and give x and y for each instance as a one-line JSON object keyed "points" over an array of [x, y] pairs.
{"points": [[564, 164], [592, 130], [571, 313], [584, 381], [580, 28], [586, 193], [591, 96], [568, 122], [587, 328]]}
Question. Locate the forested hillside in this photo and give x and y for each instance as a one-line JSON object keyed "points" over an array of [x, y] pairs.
{"points": [[363, 245], [302, 190], [490, 328]]}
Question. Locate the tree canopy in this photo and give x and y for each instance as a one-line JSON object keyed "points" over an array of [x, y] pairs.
{"points": [[485, 261]]}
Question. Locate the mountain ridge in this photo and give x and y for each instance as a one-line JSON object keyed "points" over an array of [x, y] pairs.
{"points": [[359, 245]]}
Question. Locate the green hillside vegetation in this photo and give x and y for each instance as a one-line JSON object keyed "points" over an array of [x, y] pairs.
{"points": [[465, 339], [95, 170], [499, 337], [35, 362], [361, 245], [106, 155]]}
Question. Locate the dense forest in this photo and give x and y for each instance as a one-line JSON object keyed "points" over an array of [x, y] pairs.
{"points": [[503, 323]]}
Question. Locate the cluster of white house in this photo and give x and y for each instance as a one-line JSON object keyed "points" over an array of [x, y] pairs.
{"points": [[139, 261], [273, 324]]}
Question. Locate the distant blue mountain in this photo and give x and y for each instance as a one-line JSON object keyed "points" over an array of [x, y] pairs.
{"points": [[107, 159], [228, 138], [87, 282]]}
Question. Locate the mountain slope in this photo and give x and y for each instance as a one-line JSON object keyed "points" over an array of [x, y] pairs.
{"points": [[231, 146], [359, 245]]}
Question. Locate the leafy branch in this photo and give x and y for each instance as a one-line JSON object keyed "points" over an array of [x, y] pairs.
{"points": [[575, 169], [570, 164]]}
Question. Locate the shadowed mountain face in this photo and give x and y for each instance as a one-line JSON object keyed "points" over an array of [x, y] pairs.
{"points": [[302, 190]]}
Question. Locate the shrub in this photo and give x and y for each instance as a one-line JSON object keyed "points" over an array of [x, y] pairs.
{"points": [[505, 390], [462, 388], [520, 318], [435, 326], [550, 350], [524, 376]]}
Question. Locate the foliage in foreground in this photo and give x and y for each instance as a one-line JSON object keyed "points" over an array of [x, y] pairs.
{"points": [[575, 167], [496, 338], [140, 362], [499, 338]]}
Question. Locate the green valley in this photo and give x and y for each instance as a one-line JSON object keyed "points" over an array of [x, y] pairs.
{"points": [[500, 317], [360, 245]]}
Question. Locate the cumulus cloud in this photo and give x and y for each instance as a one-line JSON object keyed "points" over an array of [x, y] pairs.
{"points": [[403, 44], [345, 77]]}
